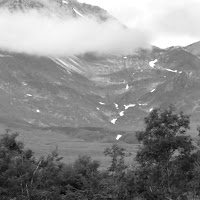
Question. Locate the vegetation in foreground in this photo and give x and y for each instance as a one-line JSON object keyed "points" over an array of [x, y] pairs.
{"points": [[167, 167]]}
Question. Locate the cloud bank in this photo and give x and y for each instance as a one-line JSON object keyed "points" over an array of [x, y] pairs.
{"points": [[36, 33], [178, 23], [171, 22], [181, 20]]}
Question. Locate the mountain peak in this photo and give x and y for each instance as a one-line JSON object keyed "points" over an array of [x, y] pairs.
{"points": [[58, 7]]}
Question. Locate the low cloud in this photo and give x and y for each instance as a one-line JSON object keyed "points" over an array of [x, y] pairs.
{"points": [[40, 34], [181, 20], [171, 22]]}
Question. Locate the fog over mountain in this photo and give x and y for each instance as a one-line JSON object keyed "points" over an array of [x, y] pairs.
{"points": [[170, 22], [40, 33]]}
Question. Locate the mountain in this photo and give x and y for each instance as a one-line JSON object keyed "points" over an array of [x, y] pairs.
{"points": [[62, 8], [194, 49], [75, 91], [111, 92]]}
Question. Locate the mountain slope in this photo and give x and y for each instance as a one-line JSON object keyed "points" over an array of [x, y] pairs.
{"points": [[74, 91], [194, 49], [61, 8], [92, 90]]}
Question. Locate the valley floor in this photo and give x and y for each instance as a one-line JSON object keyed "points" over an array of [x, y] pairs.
{"points": [[42, 142]]}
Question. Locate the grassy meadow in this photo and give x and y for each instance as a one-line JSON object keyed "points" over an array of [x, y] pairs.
{"points": [[42, 142]]}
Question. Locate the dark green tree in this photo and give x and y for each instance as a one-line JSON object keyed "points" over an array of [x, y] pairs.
{"points": [[166, 157], [24, 177], [195, 182], [118, 170], [82, 180], [117, 155], [16, 167]]}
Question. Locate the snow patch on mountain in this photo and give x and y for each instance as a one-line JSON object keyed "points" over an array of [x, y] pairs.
{"points": [[142, 104], [118, 137], [152, 63], [129, 106], [113, 121], [24, 83], [116, 106], [150, 109], [65, 2], [170, 70], [127, 87], [77, 12], [121, 113]]}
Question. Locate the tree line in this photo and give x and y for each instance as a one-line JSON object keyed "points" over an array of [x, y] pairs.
{"points": [[167, 167]]}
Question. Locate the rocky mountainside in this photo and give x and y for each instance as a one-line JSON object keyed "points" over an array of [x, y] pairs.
{"points": [[95, 91], [61, 8], [90, 90]]}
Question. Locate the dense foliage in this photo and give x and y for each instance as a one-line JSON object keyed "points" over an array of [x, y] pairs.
{"points": [[167, 156], [167, 167]]}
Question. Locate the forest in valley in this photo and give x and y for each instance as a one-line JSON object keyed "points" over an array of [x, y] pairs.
{"points": [[166, 167]]}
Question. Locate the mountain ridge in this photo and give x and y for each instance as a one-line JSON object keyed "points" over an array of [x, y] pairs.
{"points": [[60, 7]]}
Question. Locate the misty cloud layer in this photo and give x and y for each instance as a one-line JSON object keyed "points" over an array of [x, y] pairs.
{"points": [[39, 34], [181, 20], [171, 22]]}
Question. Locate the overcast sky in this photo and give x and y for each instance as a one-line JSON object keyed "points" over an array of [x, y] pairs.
{"points": [[170, 22]]}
